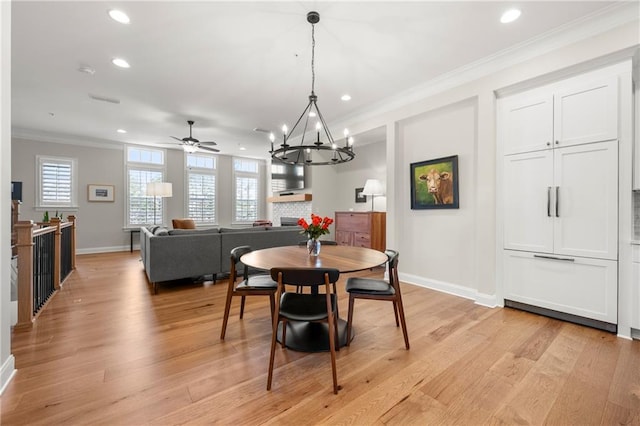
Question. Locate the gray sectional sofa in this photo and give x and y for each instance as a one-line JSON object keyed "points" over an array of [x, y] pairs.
{"points": [[184, 253]]}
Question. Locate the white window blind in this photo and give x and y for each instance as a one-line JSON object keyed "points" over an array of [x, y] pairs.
{"points": [[201, 187], [247, 189], [144, 165], [202, 197], [143, 209], [56, 182]]}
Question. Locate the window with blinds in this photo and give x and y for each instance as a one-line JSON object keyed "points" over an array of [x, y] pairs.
{"points": [[247, 194], [201, 188], [57, 182], [144, 165]]}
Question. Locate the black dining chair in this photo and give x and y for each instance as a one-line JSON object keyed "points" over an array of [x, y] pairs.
{"points": [[314, 307], [254, 285], [368, 288]]}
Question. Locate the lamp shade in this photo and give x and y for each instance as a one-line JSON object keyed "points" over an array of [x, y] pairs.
{"points": [[160, 189], [372, 187]]}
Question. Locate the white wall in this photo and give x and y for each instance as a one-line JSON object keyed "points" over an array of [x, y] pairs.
{"points": [[7, 364], [100, 225], [334, 186], [435, 243], [460, 119]]}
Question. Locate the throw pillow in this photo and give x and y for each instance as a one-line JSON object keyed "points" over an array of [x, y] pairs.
{"points": [[183, 224]]}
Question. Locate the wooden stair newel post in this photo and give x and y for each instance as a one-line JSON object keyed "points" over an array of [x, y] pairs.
{"points": [[24, 229], [72, 219]]}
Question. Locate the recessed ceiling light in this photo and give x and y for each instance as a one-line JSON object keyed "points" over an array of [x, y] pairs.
{"points": [[510, 16], [119, 62], [120, 16], [121, 131], [346, 97], [242, 148]]}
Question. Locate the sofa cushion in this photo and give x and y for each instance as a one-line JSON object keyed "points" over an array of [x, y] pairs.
{"points": [[249, 229], [160, 231], [183, 224], [193, 231]]}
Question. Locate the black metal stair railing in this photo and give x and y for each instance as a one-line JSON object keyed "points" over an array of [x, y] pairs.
{"points": [[43, 269], [66, 255]]}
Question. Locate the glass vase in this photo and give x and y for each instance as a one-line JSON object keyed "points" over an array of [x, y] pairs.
{"points": [[313, 246]]}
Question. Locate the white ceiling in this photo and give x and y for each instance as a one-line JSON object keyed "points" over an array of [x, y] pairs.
{"points": [[235, 66]]}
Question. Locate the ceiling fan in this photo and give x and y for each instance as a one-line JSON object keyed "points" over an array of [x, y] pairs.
{"points": [[191, 144]]}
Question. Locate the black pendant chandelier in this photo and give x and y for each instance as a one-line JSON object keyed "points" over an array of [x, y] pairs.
{"points": [[322, 149]]}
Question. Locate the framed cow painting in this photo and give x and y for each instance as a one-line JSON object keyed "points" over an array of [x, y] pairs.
{"points": [[434, 184]]}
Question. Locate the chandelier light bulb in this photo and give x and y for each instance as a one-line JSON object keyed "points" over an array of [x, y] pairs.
{"points": [[285, 129], [318, 126], [346, 133], [350, 141], [272, 137]]}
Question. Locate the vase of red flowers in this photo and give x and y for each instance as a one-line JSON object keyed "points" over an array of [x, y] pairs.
{"points": [[318, 226]]}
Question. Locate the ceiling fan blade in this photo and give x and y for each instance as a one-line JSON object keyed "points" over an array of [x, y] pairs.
{"points": [[209, 143], [206, 148], [178, 139]]}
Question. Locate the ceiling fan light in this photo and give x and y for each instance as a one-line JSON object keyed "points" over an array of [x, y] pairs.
{"points": [[189, 149]]}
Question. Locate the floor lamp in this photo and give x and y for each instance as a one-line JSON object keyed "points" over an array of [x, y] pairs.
{"points": [[158, 189], [372, 187]]}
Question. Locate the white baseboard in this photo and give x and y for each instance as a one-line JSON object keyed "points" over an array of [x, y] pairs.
{"points": [[7, 372], [488, 300], [95, 250]]}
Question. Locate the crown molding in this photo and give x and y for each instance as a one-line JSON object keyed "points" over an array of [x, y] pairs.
{"points": [[591, 25], [40, 136]]}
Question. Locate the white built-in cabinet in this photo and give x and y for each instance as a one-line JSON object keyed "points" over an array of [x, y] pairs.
{"points": [[560, 196], [563, 201]]}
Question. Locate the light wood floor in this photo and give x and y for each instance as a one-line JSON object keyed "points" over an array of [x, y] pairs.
{"points": [[108, 351]]}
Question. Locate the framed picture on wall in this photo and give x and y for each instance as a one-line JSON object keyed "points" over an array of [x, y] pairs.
{"points": [[104, 193], [434, 184], [360, 197]]}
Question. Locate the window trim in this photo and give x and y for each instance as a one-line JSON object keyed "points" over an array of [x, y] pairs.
{"points": [[146, 166], [201, 170], [260, 200], [73, 203]]}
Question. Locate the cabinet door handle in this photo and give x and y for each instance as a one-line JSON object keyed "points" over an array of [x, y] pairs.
{"points": [[557, 201], [548, 201], [563, 259]]}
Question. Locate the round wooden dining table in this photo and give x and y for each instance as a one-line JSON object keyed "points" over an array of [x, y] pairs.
{"points": [[305, 336]]}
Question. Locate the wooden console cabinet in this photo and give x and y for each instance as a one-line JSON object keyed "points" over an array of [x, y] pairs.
{"points": [[362, 229]]}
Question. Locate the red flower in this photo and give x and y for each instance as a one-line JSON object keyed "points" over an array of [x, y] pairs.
{"points": [[319, 226]]}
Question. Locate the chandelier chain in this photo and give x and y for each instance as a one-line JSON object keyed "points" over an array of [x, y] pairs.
{"points": [[313, 57]]}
